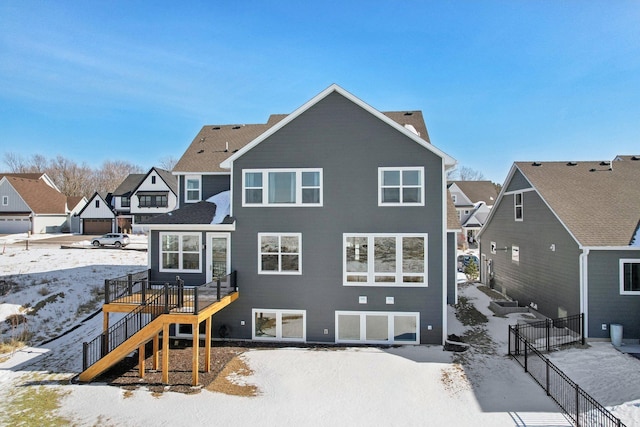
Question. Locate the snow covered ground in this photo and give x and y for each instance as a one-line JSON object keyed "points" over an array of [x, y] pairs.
{"points": [[405, 386]]}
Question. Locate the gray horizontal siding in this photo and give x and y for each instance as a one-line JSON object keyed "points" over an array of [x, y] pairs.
{"points": [[518, 182], [549, 279], [606, 305]]}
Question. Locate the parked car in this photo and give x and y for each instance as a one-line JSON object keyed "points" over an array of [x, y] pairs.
{"points": [[118, 240], [464, 260]]}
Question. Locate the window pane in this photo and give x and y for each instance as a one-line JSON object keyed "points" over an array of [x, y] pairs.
{"points": [[411, 195], [290, 263], [310, 179], [391, 195], [385, 254], [282, 187], [292, 325], [253, 179], [518, 197], [518, 212], [191, 261], [411, 178], [391, 178], [377, 328], [404, 328], [310, 195], [265, 324], [269, 262], [289, 244], [632, 277], [353, 278], [356, 252], [169, 243], [170, 261], [269, 244], [253, 196], [413, 279], [413, 255], [193, 184], [191, 243], [348, 327], [385, 279]]}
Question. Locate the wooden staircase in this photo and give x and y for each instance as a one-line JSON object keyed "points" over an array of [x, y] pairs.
{"points": [[161, 306]]}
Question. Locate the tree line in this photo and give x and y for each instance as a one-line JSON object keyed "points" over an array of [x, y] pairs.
{"points": [[77, 179]]}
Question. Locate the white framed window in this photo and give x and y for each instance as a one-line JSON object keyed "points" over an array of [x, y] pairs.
{"points": [[384, 259], [180, 252], [377, 327], [192, 188], [517, 207], [515, 254], [401, 186], [279, 253], [630, 276], [5, 200], [282, 187], [279, 324]]}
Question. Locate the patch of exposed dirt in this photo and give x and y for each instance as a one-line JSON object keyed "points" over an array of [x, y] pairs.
{"points": [[232, 379]]}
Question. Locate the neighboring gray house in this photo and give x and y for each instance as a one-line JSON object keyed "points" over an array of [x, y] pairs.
{"points": [[31, 203], [335, 218], [473, 201], [563, 239], [98, 216]]}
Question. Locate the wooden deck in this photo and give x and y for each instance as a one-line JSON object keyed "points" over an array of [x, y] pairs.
{"points": [[208, 306]]}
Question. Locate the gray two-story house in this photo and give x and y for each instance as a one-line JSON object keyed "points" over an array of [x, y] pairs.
{"points": [[334, 218], [563, 239]]}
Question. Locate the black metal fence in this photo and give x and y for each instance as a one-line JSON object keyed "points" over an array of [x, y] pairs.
{"points": [[548, 334], [577, 404], [124, 285], [156, 299]]}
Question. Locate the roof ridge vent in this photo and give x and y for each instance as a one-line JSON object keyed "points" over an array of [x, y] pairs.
{"points": [[605, 163], [408, 113], [536, 164], [215, 128], [635, 158], [572, 163]]}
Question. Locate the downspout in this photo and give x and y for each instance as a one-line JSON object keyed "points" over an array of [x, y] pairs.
{"points": [[444, 252], [584, 291]]}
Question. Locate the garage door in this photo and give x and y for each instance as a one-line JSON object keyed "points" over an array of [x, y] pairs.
{"points": [[14, 224], [96, 226]]}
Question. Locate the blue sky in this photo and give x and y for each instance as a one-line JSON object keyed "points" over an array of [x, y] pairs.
{"points": [[497, 81]]}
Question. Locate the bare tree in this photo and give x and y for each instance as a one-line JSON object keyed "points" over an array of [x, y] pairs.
{"points": [[465, 173], [15, 163], [167, 162], [72, 179], [112, 173]]}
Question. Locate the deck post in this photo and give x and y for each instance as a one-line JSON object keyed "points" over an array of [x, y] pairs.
{"points": [[129, 284], [144, 291], [156, 347], [165, 353], [106, 291], [195, 300], [207, 343], [196, 343], [166, 298], [141, 358], [218, 288]]}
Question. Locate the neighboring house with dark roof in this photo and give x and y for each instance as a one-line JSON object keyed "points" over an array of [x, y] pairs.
{"points": [[473, 201], [121, 200], [156, 193], [31, 203], [335, 218], [563, 239], [98, 216]]}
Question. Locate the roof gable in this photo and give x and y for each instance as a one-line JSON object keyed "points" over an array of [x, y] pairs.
{"points": [[170, 180], [38, 195], [106, 203], [449, 161], [478, 191]]}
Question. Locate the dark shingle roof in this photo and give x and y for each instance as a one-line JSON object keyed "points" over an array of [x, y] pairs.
{"points": [[169, 179], [215, 143], [599, 202], [129, 184], [196, 213]]}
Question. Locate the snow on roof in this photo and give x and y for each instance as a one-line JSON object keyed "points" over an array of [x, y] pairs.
{"points": [[223, 206], [636, 238]]}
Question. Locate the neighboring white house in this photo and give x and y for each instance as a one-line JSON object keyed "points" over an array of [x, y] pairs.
{"points": [[157, 193], [97, 216]]}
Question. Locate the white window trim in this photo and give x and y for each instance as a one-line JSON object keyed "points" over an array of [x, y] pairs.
{"points": [[381, 170], [516, 205], [390, 326], [624, 261], [5, 200], [280, 272], [515, 254], [454, 197], [186, 189], [180, 260], [265, 188], [371, 274], [278, 313]]}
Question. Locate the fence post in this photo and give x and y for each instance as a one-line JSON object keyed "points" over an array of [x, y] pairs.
{"points": [[129, 284], [509, 342], [144, 291], [195, 300], [166, 298], [85, 350], [106, 291], [582, 327], [517, 337], [577, 406], [218, 287], [547, 380], [180, 292], [526, 366], [548, 325]]}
